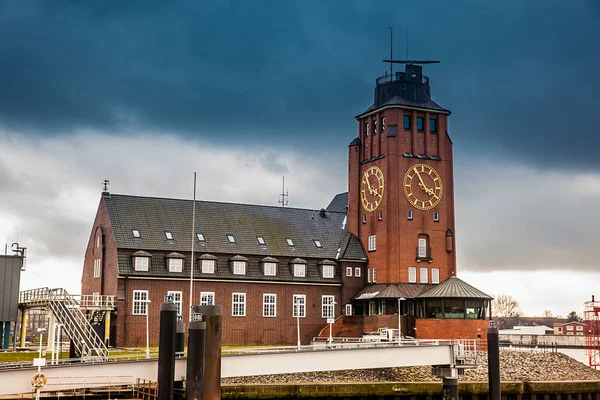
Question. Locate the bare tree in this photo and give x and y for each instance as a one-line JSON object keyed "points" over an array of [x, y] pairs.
{"points": [[548, 314], [505, 305]]}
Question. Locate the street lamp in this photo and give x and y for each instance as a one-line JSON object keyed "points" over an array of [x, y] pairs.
{"points": [[330, 320], [41, 332], [147, 329], [400, 320]]}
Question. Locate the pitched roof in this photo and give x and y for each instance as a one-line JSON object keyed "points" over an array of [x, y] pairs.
{"points": [[402, 102], [339, 203], [153, 216], [391, 291], [454, 287]]}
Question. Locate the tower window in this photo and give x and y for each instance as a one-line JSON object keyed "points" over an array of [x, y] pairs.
{"points": [[435, 275], [357, 272], [348, 271], [407, 122], [374, 275], [374, 128], [409, 215], [420, 127], [366, 129], [372, 243], [380, 215], [364, 218], [432, 125], [412, 274], [436, 216], [382, 124], [424, 275]]}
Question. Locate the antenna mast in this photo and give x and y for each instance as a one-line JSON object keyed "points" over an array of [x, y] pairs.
{"points": [[283, 200], [105, 184], [391, 49]]}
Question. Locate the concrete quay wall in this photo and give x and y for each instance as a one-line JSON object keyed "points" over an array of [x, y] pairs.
{"points": [[544, 340], [567, 390]]}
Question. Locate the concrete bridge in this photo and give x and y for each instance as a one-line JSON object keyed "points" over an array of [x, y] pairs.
{"points": [[450, 356]]}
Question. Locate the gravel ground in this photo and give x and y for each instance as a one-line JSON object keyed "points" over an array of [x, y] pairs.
{"points": [[515, 366]]}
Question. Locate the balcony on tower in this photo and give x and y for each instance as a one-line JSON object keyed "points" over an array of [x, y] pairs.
{"points": [[411, 85]]}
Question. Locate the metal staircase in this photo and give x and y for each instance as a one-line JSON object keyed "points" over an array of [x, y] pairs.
{"points": [[68, 312]]}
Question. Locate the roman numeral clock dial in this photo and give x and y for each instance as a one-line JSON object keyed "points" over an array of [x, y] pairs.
{"points": [[371, 189], [422, 186]]}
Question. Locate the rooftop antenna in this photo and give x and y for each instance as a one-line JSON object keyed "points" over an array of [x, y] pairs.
{"points": [[406, 39], [406, 60], [105, 184], [283, 199], [391, 49]]}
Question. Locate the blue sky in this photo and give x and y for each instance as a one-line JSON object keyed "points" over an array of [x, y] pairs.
{"points": [[146, 92]]}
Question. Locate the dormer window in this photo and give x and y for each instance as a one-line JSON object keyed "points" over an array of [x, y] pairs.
{"points": [[270, 268], [289, 242], [208, 263], [318, 243], [231, 239], [168, 235], [141, 261], [175, 262], [261, 240], [328, 271], [136, 233], [239, 268], [299, 270], [200, 237]]}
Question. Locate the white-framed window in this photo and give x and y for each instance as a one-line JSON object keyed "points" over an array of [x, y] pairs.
{"points": [[382, 124], [569, 327], [436, 216], [207, 298], [327, 306], [374, 127], [141, 263], [367, 133], [409, 214], [372, 242], [348, 271], [270, 268], [289, 242], [423, 272], [261, 240], [374, 275], [200, 237], [328, 271], [412, 274], [136, 233], [579, 328], [98, 241], [239, 267], [435, 275], [208, 266], [422, 248], [168, 235], [299, 305], [357, 272], [369, 275], [97, 267], [176, 299], [238, 304], [269, 305], [299, 270], [140, 302], [175, 264], [318, 243], [231, 239], [348, 309]]}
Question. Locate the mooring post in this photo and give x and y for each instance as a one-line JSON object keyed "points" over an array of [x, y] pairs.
{"points": [[450, 389], [493, 364], [166, 351], [211, 385], [195, 361], [178, 392]]}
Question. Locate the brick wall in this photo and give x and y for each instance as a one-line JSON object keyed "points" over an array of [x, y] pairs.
{"points": [[452, 328], [250, 329]]}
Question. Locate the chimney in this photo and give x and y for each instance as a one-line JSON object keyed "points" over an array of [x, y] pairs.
{"points": [[105, 191]]}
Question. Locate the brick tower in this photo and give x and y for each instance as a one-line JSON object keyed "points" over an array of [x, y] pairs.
{"points": [[400, 182]]}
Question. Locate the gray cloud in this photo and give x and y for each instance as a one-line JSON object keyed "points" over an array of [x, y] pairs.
{"points": [[521, 78]]}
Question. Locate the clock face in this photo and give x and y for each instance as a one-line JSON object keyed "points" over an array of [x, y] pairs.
{"points": [[371, 189], [422, 186]]}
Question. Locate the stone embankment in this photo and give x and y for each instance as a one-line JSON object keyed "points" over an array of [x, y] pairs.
{"points": [[515, 366]]}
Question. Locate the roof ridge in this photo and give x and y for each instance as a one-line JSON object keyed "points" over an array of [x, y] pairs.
{"points": [[222, 202]]}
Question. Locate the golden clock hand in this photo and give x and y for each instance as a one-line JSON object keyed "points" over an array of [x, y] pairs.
{"points": [[422, 185], [369, 186]]}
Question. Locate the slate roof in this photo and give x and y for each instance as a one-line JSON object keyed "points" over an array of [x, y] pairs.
{"points": [[454, 287], [339, 203], [153, 216], [391, 291], [402, 102]]}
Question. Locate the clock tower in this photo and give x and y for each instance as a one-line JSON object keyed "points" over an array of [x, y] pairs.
{"points": [[400, 188]]}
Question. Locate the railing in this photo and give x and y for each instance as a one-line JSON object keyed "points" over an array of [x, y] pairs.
{"points": [[78, 328], [145, 389], [399, 77], [40, 297], [34, 296], [96, 385], [103, 302]]}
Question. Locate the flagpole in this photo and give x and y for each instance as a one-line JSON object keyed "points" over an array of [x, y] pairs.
{"points": [[193, 241]]}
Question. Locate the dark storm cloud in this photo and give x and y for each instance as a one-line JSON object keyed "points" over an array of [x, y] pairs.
{"points": [[520, 77]]}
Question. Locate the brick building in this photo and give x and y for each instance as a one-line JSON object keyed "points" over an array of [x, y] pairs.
{"points": [[386, 247]]}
